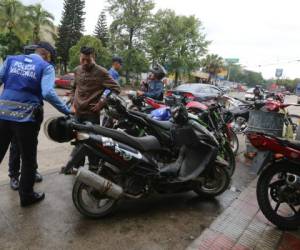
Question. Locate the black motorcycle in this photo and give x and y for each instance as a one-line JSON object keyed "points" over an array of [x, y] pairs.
{"points": [[134, 167]]}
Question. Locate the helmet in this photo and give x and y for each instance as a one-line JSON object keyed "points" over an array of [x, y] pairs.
{"points": [[117, 59], [159, 71], [57, 129], [161, 114]]}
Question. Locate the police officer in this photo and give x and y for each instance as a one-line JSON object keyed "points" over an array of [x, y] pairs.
{"points": [[155, 84], [28, 80], [117, 63]]}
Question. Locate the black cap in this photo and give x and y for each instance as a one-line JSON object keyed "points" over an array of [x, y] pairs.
{"points": [[47, 46], [117, 59], [87, 50]]}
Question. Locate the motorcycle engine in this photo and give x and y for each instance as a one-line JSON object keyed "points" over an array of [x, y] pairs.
{"points": [[135, 185]]}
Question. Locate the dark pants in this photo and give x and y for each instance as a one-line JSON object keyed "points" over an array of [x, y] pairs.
{"points": [[93, 160], [26, 134], [14, 164]]}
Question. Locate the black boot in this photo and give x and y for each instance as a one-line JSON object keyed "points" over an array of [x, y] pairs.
{"points": [[30, 199], [38, 177], [14, 183]]}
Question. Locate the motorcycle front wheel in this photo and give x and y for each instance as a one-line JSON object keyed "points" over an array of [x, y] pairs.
{"points": [[233, 140], [213, 186], [91, 203], [278, 200], [226, 153]]}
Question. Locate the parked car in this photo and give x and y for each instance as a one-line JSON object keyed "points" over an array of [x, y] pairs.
{"points": [[197, 92], [64, 81]]}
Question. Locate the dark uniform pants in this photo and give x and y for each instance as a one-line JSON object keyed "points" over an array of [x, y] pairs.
{"points": [[93, 160], [26, 135], [15, 155]]}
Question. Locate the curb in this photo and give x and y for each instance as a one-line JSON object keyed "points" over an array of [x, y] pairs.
{"points": [[243, 227]]}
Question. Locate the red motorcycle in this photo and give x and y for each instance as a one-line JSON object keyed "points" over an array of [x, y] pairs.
{"points": [[278, 186]]}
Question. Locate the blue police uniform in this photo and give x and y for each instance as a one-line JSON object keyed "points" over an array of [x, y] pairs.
{"points": [[28, 80]]}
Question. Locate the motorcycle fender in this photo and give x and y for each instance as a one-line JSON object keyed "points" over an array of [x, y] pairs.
{"points": [[260, 161]]}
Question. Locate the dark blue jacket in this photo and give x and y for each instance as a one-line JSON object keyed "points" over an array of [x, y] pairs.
{"points": [[155, 90]]}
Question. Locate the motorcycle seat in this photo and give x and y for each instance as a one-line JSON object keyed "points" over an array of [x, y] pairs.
{"points": [[145, 143]]}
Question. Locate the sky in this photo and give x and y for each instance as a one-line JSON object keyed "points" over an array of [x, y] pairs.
{"points": [[262, 34]]}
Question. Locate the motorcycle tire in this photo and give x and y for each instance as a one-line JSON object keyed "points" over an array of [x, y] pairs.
{"points": [[262, 193], [233, 141], [226, 153], [84, 209], [218, 185]]}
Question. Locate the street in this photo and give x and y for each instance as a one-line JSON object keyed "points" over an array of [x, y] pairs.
{"points": [[159, 222]]}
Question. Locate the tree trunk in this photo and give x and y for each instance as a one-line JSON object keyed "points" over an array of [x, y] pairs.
{"points": [[176, 77], [131, 31], [65, 68], [209, 77]]}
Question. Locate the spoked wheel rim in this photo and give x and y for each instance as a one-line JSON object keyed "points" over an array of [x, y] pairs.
{"points": [[284, 199], [92, 201]]}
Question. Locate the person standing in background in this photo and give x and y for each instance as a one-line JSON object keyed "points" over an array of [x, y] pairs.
{"points": [[90, 82], [117, 63]]}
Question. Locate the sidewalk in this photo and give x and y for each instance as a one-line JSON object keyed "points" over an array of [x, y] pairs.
{"points": [[243, 227]]}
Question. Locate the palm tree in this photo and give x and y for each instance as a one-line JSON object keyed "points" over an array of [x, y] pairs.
{"points": [[40, 20], [12, 14], [213, 65]]}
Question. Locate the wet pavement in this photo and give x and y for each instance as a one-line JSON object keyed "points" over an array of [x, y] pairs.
{"points": [[159, 222]]}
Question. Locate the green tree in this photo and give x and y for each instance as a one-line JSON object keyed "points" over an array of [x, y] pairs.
{"points": [[212, 64], [253, 78], [10, 44], [131, 17], [103, 57], [236, 73], [70, 29], [13, 19], [40, 18], [101, 30], [176, 42]]}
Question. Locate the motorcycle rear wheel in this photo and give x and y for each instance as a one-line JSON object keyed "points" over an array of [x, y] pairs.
{"points": [[91, 203], [213, 187], [271, 207]]}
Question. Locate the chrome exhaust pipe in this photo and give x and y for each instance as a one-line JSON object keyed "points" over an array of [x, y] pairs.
{"points": [[99, 183], [293, 180]]}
